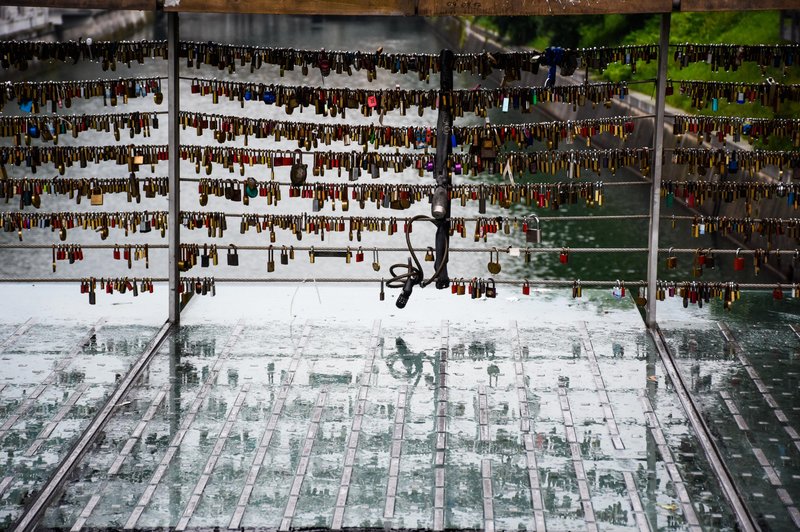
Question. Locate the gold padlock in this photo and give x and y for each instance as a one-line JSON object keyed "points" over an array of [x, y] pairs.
{"points": [[97, 196]]}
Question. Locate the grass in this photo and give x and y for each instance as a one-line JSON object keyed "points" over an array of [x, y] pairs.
{"points": [[761, 27]]}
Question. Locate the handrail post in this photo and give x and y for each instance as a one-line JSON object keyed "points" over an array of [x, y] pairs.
{"points": [[444, 128], [173, 141], [658, 155]]}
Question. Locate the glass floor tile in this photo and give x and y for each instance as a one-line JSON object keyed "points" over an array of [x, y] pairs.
{"points": [[55, 377], [742, 371], [542, 413]]}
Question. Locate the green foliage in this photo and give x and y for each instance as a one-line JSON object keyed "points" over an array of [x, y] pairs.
{"points": [[757, 27]]}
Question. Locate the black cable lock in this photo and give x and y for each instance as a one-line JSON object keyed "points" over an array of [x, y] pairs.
{"points": [[413, 274]]}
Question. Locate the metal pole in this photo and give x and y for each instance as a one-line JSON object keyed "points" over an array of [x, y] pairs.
{"points": [[173, 141], [444, 128], [658, 154]]}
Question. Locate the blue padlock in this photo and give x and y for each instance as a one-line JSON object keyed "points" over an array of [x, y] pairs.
{"points": [[269, 97], [33, 131]]}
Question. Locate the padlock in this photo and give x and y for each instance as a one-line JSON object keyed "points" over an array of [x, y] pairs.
{"points": [[494, 266], [382, 296], [491, 288], [299, 171], [429, 255], [533, 233], [710, 261], [563, 257], [526, 288], [284, 256], [271, 259], [97, 196], [359, 255], [376, 264], [233, 256], [777, 293], [672, 260], [738, 262]]}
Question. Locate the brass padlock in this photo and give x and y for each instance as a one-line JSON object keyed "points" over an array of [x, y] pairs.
{"points": [[672, 261], [97, 196], [494, 266]]}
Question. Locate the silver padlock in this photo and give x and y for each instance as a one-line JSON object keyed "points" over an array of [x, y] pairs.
{"points": [[533, 233], [355, 173]]}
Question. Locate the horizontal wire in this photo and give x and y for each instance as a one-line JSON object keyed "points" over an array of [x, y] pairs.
{"points": [[344, 280], [455, 218], [356, 184], [368, 248], [590, 84], [335, 125]]}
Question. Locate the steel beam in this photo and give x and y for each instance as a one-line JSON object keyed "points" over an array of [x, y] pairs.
{"points": [[174, 146], [655, 190], [740, 510]]}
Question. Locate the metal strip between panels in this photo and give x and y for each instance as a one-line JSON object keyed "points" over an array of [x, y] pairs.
{"points": [[266, 438], [355, 428], [441, 431], [669, 461], [537, 502], [302, 464], [397, 443], [28, 403], [636, 502], [53, 423], [211, 463], [120, 459], [577, 461], [18, 333], [605, 404], [175, 443], [488, 496]]}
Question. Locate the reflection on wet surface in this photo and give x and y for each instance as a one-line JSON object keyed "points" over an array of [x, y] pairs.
{"points": [[456, 426], [745, 380], [54, 379], [563, 423]]}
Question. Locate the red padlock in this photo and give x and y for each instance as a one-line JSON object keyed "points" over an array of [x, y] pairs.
{"points": [[526, 288], [563, 257], [359, 255], [777, 293], [738, 262]]}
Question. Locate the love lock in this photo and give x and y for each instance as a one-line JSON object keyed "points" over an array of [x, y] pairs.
{"points": [[533, 233], [299, 170], [494, 266]]}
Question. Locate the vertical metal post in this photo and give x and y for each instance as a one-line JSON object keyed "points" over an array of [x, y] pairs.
{"points": [[173, 141], [444, 128], [658, 155]]}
